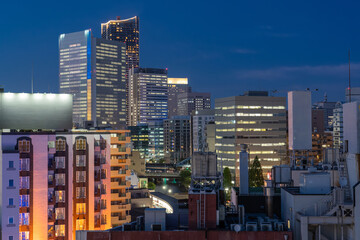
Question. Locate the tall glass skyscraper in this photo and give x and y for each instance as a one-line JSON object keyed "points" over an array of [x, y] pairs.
{"points": [[127, 31], [148, 98], [93, 71]]}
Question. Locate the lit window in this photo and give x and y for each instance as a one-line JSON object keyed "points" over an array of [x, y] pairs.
{"points": [[60, 145], [60, 213], [60, 196], [80, 144], [80, 224], [60, 162], [80, 160], [80, 208], [24, 146], [60, 230]]}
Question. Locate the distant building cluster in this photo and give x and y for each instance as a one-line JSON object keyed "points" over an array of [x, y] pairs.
{"points": [[127, 149]]}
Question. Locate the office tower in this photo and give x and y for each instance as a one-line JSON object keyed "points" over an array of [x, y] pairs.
{"points": [[328, 108], [175, 87], [127, 31], [156, 140], [147, 95], [177, 140], [188, 102], [119, 162], [317, 120], [255, 119], [93, 71], [338, 126], [54, 183], [199, 122], [140, 140]]}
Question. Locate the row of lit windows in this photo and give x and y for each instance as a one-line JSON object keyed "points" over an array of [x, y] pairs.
{"points": [[250, 107]]}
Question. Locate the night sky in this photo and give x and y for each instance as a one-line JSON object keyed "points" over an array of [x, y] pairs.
{"points": [[224, 47]]}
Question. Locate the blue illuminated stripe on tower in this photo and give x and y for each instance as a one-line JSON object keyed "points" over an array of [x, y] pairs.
{"points": [[88, 46]]}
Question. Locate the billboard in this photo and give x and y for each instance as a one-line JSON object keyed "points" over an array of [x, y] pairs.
{"points": [[35, 111]]}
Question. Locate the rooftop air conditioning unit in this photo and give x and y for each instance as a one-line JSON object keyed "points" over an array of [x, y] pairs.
{"points": [[251, 227], [266, 226], [280, 226], [236, 227], [156, 227], [127, 227]]}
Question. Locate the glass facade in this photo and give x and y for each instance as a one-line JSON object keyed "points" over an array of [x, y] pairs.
{"points": [[148, 98], [93, 71]]}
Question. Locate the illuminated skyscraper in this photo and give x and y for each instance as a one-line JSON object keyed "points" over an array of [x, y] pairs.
{"points": [[127, 31], [93, 71], [176, 86], [194, 101], [255, 119], [147, 95]]}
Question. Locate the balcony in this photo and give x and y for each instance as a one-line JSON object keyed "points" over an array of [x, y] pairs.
{"points": [[103, 191], [97, 223], [103, 175], [97, 208], [103, 206], [103, 221]]}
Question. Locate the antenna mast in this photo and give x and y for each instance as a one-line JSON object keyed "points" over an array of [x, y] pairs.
{"points": [[32, 78], [349, 80]]}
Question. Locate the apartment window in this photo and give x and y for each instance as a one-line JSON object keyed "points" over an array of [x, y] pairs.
{"points": [[60, 196], [11, 182], [11, 220], [24, 146], [60, 162], [24, 164], [80, 224], [11, 164], [11, 238], [60, 179], [80, 176], [80, 192], [24, 235], [24, 200], [60, 230], [60, 213], [80, 160], [24, 219], [80, 208], [24, 182], [11, 202], [60, 145], [80, 144]]}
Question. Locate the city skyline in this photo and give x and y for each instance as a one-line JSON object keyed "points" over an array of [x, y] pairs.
{"points": [[267, 47]]}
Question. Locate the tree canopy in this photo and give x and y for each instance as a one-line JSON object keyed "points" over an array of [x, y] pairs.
{"points": [[185, 178], [256, 178], [227, 178]]}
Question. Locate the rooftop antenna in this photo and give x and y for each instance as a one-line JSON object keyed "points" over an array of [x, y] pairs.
{"points": [[349, 80], [32, 78]]}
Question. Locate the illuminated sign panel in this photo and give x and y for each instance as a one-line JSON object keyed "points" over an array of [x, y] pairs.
{"points": [[35, 111]]}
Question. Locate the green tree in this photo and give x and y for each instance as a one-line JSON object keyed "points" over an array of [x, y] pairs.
{"points": [[185, 178], [151, 186], [256, 178], [227, 178]]}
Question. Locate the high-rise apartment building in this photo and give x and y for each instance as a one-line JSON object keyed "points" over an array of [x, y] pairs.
{"points": [[194, 101], [176, 86], [93, 71], [127, 31], [120, 161], [199, 121], [338, 125], [147, 95], [255, 119], [54, 183], [177, 140]]}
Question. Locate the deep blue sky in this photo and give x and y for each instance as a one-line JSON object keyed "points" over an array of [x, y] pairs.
{"points": [[224, 47]]}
